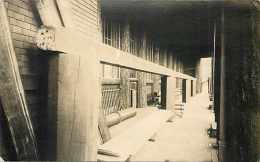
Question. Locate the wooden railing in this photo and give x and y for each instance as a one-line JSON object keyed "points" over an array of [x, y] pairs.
{"points": [[110, 100]]}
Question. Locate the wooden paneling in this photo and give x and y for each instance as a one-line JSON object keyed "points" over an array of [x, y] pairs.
{"points": [[85, 15]]}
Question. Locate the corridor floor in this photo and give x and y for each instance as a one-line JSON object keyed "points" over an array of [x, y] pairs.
{"points": [[183, 140]]}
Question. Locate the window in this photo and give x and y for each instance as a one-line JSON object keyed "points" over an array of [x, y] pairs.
{"points": [[112, 33], [110, 72]]}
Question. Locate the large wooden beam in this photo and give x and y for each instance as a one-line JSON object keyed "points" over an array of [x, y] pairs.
{"points": [[12, 95], [53, 39]]}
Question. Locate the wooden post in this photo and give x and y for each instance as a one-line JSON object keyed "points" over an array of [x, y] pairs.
{"points": [[78, 102], [198, 76], [12, 95], [78, 105], [188, 89], [74, 90], [142, 95], [171, 92], [256, 115], [222, 134], [168, 92], [164, 92], [157, 78], [141, 76], [124, 73]]}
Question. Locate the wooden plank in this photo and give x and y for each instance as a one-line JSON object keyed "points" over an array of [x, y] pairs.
{"points": [[103, 128], [12, 95], [107, 152], [48, 12], [118, 117], [65, 10]]}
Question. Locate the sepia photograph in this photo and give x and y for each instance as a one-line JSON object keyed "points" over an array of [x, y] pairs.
{"points": [[130, 80]]}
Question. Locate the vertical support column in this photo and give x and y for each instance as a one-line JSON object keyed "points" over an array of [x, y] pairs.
{"points": [[213, 63], [156, 78], [188, 89], [141, 76], [74, 95], [216, 97], [256, 115], [78, 101], [171, 92], [168, 92], [194, 87], [198, 76], [163, 92], [222, 137], [124, 73]]}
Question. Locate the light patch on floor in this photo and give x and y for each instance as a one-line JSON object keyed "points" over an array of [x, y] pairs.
{"points": [[184, 140], [141, 114]]}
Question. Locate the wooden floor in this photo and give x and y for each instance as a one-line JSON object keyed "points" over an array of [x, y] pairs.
{"points": [[185, 139], [133, 134], [123, 126]]}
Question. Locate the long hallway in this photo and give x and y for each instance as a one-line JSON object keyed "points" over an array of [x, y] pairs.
{"points": [[185, 139]]}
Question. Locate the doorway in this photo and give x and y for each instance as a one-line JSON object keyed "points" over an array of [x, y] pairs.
{"points": [[133, 94]]}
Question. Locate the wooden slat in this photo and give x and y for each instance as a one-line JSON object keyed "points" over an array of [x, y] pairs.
{"points": [[12, 95], [103, 129], [85, 10]]}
